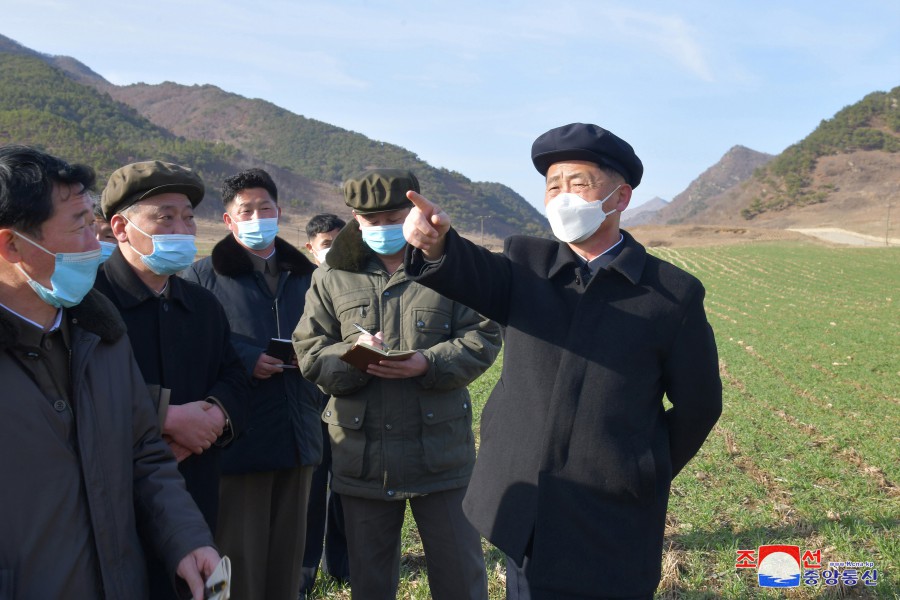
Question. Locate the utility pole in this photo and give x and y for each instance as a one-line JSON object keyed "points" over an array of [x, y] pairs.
{"points": [[887, 226], [483, 217]]}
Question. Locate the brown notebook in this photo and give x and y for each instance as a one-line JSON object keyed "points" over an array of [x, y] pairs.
{"points": [[363, 355]]}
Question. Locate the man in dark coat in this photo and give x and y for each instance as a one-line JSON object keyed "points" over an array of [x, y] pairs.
{"points": [[84, 466], [577, 449], [261, 281], [178, 330]]}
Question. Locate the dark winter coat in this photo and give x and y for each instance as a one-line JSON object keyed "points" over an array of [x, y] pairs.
{"points": [[283, 427], [392, 438], [577, 450], [58, 498], [182, 342]]}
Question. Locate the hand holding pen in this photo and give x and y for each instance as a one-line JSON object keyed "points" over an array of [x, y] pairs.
{"points": [[368, 338]]}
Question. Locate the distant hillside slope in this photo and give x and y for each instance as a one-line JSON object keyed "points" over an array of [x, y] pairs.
{"points": [[844, 174], [735, 166], [643, 214], [41, 106], [322, 151], [870, 125], [217, 132], [861, 193]]}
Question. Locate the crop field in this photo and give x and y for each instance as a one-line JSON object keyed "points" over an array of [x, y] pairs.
{"points": [[807, 452]]}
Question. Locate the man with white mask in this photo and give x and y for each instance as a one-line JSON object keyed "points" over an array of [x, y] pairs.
{"points": [[578, 450], [261, 281], [178, 330]]}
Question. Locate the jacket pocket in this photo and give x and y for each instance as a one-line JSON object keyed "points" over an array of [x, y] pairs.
{"points": [[345, 418], [447, 441], [432, 326], [358, 309]]}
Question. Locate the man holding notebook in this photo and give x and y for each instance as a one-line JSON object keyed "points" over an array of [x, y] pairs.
{"points": [[261, 281], [402, 429]]}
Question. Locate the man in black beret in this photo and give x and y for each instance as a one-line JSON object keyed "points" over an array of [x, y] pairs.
{"points": [[400, 430], [179, 332], [577, 449]]}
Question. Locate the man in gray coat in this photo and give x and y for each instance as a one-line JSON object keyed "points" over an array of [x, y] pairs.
{"points": [[578, 450], [84, 466]]}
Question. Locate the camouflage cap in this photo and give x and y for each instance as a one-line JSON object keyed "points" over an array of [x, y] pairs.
{"points": [[139, 181], [379, 190]]}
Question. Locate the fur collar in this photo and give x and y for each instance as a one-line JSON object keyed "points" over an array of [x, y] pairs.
{"points": [[96, 314], [348, 251], [230, 259]]}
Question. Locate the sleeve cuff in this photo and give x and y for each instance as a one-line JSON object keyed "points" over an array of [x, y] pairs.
{"points": [[227, 433]]}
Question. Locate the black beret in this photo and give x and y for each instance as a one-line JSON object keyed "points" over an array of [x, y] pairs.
{"points": [[580, 141], [379, 190], [139, 181]]}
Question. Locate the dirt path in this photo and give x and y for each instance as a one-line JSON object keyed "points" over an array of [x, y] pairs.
{"points": [[843, 236]]}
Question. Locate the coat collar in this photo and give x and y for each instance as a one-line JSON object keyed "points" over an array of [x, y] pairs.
{"points": [[629, 262], [96, 314], [348, 250], [130, 291], [230, 259]]}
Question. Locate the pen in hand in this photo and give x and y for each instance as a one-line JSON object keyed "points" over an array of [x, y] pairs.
{"points": [[363, 330]]}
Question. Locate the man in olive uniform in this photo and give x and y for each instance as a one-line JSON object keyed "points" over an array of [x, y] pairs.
{"points": [[401, 430]]}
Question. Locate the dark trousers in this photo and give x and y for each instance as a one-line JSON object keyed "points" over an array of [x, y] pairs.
{"points": [[453, 555], [262, 528], [324, 519], [517, 587]]}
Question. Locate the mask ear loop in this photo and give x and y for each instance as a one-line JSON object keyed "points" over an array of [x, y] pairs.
{"points": [[138, 252], [33, 243]]}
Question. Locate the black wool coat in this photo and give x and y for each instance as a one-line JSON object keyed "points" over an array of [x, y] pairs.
{"points": [[577, 450], [182, 342], [284, 426]]}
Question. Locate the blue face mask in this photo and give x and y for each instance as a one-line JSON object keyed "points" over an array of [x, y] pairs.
{"points": [[172, 252], [73, 276], [257, 234], [384, 239], [106, 250]]}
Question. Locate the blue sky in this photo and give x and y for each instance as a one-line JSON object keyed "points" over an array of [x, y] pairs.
{"points": [[468, 85]]}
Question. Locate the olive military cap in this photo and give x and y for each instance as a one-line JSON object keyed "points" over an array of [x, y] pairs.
{"points": [[379, 190], [139, 181], [580, 141]]}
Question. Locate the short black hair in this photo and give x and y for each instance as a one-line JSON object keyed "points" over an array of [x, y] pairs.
{"points": [[323, 224], [27, 179], [98, 212], [245, 180]]}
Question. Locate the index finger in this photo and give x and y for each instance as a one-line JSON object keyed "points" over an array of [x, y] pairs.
{"points": [[421, 202]]}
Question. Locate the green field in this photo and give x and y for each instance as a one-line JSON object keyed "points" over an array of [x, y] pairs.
{"points": [[807, 451]]}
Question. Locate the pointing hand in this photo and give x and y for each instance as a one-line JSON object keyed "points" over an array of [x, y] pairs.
{"points": [[426, 226]]}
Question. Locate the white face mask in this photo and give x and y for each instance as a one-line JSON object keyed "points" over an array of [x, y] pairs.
{"points": [[573, 219], [320, 254]]}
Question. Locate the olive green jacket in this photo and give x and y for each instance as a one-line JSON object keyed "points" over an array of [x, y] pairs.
{"points": [[392, 438]]}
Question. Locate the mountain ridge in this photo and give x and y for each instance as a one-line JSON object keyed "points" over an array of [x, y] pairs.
{"points": [[332, 153]]}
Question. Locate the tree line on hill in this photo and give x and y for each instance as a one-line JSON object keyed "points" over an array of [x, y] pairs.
{"points": [[50, 108], [873, 123]]}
